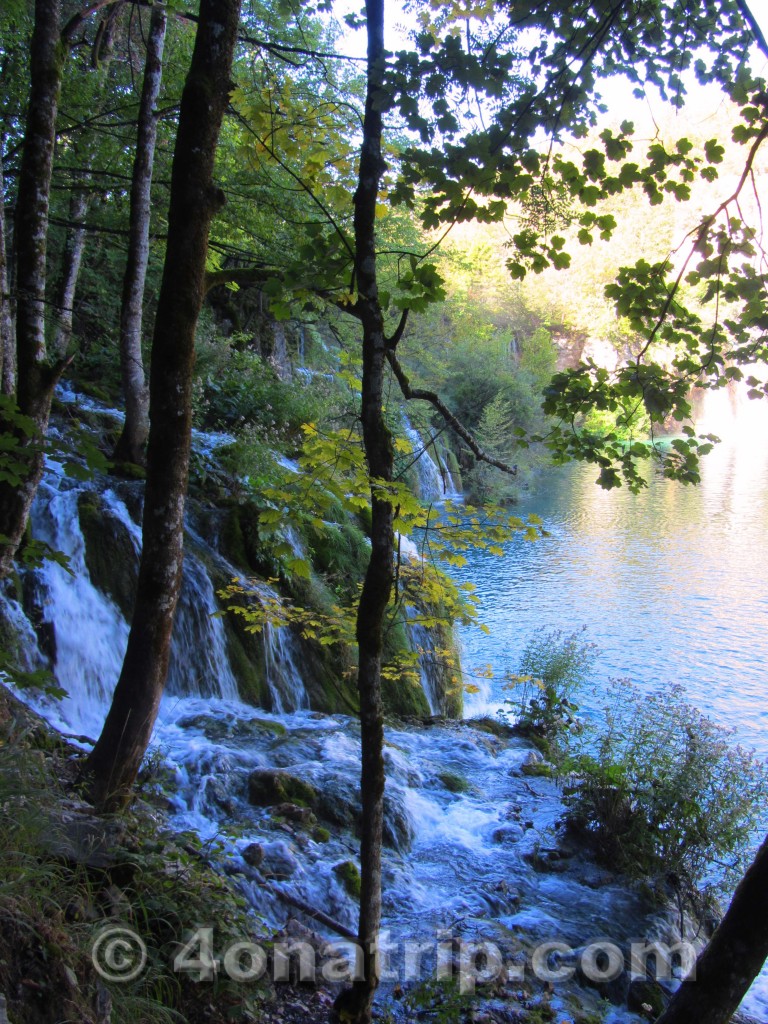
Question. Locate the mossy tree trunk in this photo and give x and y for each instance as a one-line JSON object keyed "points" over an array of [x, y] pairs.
{"points": [[112, 766], [37, 377], [130, 447], [7, 334], [377, 586], [732, 960]]}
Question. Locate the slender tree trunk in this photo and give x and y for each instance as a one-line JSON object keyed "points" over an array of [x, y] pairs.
{"points": [[733, 958], [112, 766], [377, 586], [36, 377], [130, 447], [7, 335], [70, 271]]}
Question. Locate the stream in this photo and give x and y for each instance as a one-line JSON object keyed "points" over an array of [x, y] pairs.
{"points": [[471, 851]]}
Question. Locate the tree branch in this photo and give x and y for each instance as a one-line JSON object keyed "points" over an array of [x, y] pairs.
{"points": [[429, 396]]}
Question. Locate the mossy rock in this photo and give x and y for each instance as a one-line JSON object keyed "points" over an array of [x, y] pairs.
{"points": [[348, 874], [454, 783], [110, 555], [490, 725], [646, 997], [320, 834], [269, 788]]}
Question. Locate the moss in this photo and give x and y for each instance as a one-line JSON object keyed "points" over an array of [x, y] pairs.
{"points": [[349, 875], [267, 788], [537, 769], [320, 834], [453, 782], [490, 725], [110, 555]]}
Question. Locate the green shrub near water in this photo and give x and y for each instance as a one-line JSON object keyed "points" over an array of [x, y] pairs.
{"points": [[658, 790], [553, 668]]}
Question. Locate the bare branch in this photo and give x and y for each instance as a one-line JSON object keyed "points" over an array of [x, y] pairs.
{"points": [[419, 394]]}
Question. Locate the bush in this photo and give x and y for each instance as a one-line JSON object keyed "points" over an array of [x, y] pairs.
{"points": [[553, 668], [660, 792]]}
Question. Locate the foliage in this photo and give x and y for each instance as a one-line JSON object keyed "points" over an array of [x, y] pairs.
{"points": [[659, 791], [56, 895], [553, 668]]}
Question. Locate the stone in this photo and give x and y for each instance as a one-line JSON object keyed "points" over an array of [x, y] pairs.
{"points": [[279, 860], [267, 787], [253, 854]]}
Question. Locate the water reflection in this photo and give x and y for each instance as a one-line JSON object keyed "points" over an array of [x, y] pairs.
{"points": [[670, 584]]}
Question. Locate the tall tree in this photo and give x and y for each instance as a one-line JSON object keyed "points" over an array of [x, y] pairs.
{"points": [[74, 246], [37, 376], [731, 961], [114, 762], [130, 446], [379, 576], [7, 334]]}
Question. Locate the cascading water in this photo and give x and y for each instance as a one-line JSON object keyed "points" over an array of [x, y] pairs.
{"points": [[434, 483], [479, 829], [84, 633]]}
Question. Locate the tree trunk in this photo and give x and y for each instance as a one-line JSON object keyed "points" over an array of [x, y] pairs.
{"points": [[130, 447], [7, 336], [36, 378], [114, 762], [732, 960], [70, 271], [355, 1004]]}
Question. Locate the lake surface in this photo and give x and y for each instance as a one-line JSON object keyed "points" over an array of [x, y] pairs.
{"points": [[670, 583]]}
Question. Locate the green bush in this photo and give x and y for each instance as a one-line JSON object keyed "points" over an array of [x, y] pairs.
{"points": [[553, 667], [659, 791]]}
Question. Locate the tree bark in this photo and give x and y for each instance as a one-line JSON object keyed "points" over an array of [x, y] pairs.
{"points": [[354, 1005], [130, 446], [36, 377], [70, 271], [114, 762], [732, 960], [7, 335]]}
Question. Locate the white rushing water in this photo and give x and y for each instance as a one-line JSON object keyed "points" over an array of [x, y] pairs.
{"points": [[471, 839], [434, 482]]}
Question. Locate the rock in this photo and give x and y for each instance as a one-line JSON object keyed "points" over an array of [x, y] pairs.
{"points": [[279, 860], [253, 854], [338, 802], [348, 874], [267, 787], [646, 997], [292, 812], [398, 828], [508, 834]]}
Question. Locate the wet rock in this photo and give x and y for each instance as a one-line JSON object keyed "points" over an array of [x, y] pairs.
{"points": [[398, 828], [279, 860], [253, 855], [508, 834], [338, 802], [292, 812], [216, 794], [348, 874], [218, 729], [267, 787]]}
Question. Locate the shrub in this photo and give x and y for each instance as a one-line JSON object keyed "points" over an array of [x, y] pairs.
{"points": [[553, 667], [660, 791]]}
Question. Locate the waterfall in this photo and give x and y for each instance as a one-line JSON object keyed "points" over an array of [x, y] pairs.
{"points": [[434, 483], [283, 675], [429, 667], [71, 623]]}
